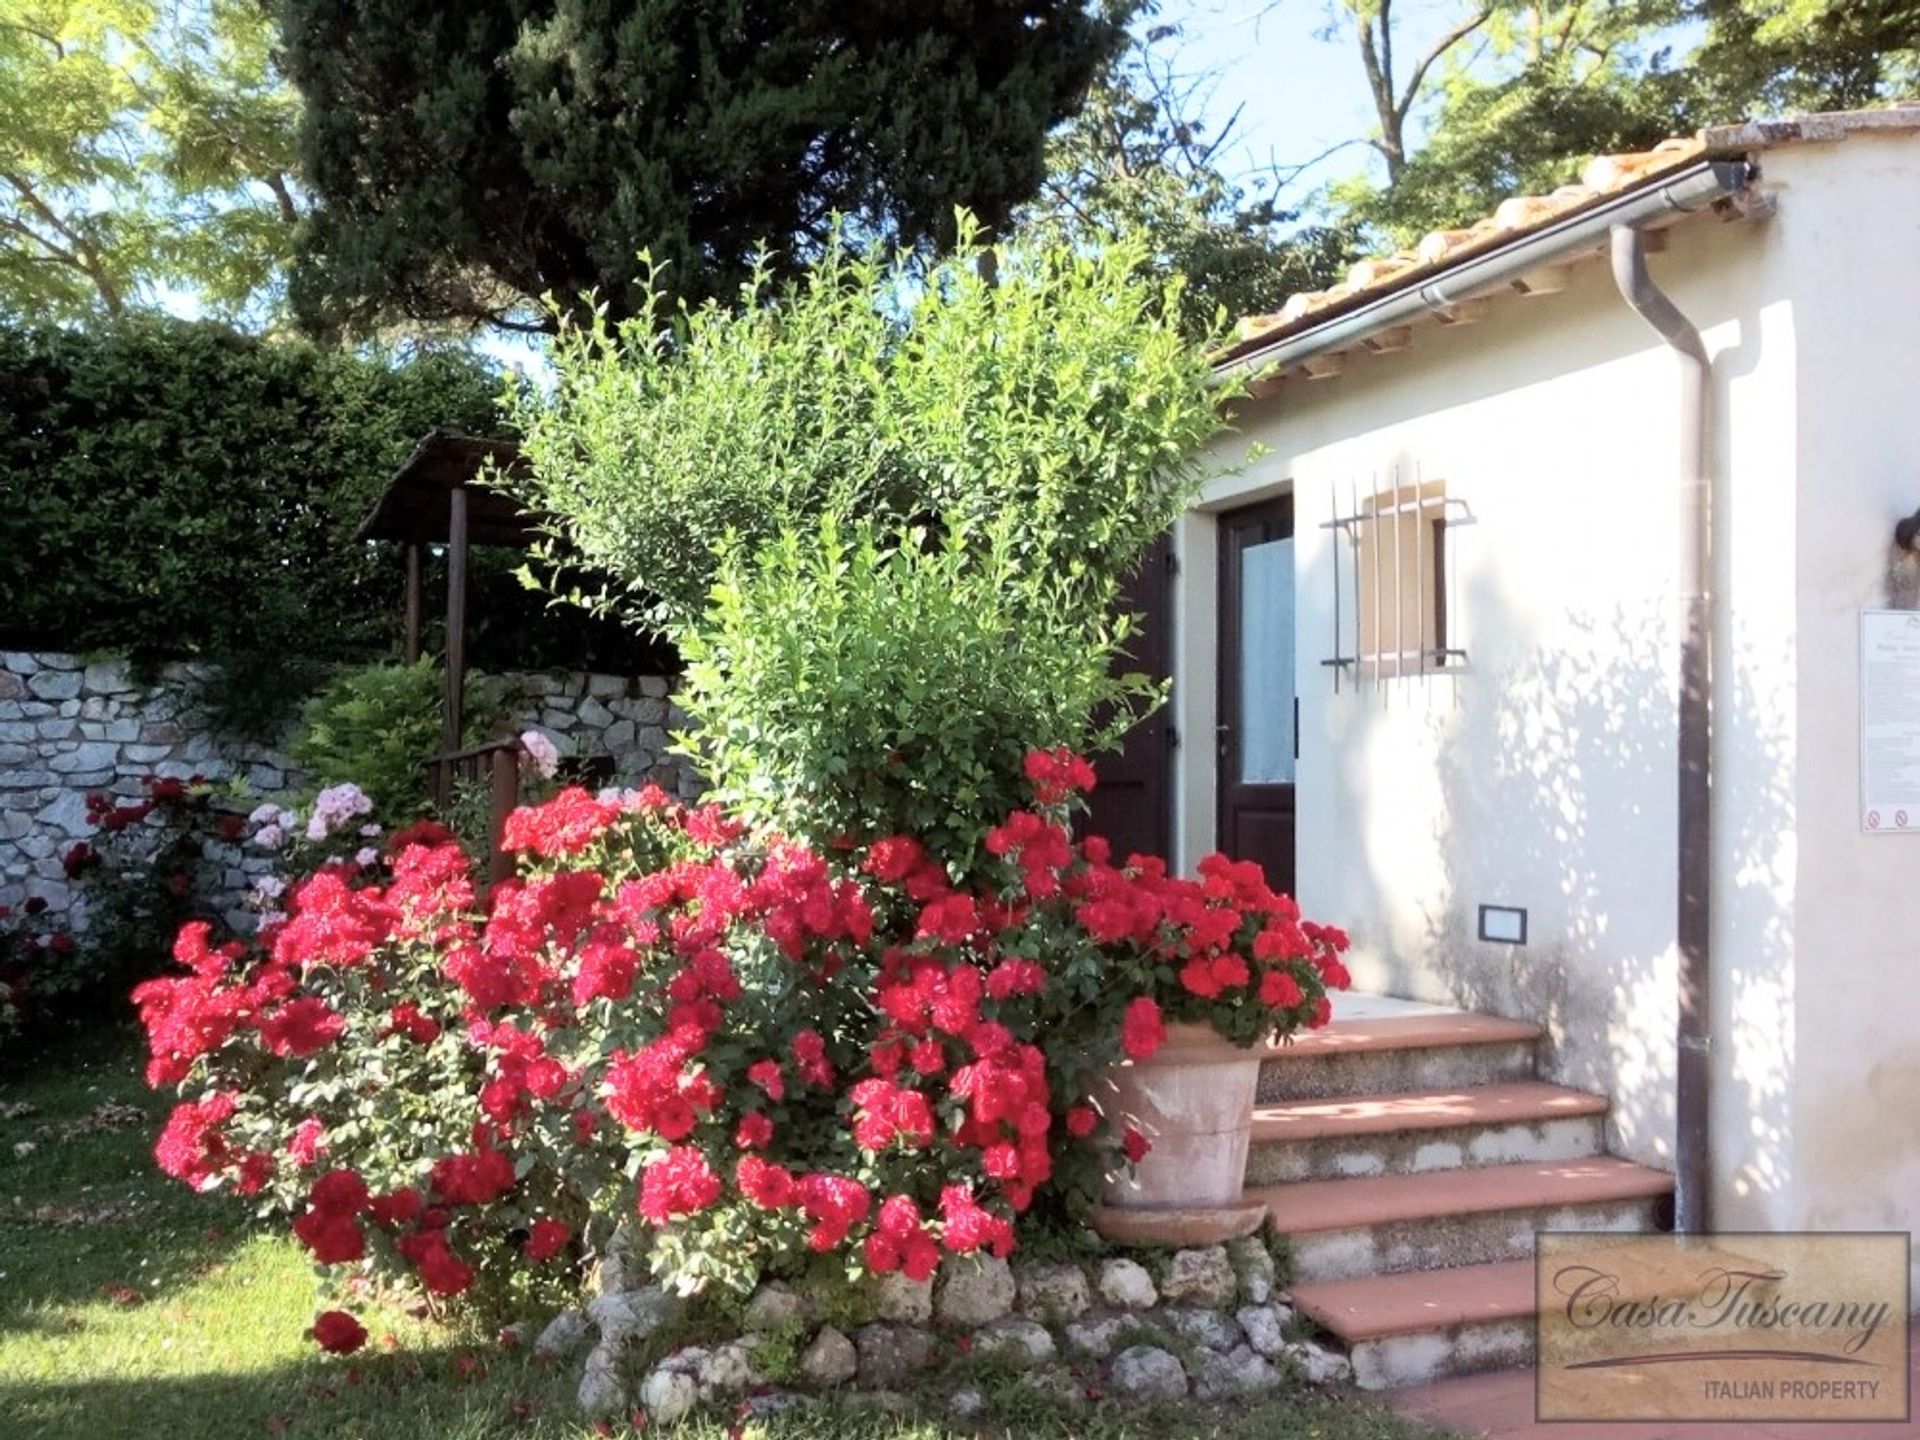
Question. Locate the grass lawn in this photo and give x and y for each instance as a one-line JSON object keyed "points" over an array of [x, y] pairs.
{"points": [[130, 1307]]}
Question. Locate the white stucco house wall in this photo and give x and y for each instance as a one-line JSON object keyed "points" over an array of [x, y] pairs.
{"points": [[1504, 733]]}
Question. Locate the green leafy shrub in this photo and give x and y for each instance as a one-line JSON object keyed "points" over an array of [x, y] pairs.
{"points": [[376, 726], [857, 683], [1062, 393]]}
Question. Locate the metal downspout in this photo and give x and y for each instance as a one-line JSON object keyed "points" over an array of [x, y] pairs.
{"points": [[1694, 492]]}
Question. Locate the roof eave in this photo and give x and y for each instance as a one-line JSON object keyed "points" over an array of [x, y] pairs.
{"points": [[1440, 290]]}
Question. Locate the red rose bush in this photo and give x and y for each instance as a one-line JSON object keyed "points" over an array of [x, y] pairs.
{"points": [[760, 1051]]}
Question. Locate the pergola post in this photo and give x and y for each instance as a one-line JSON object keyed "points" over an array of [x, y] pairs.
{"points": [[412, 620], [456, 616]]}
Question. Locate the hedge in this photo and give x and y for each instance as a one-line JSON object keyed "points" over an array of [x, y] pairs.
{"points": [[173, 489]]}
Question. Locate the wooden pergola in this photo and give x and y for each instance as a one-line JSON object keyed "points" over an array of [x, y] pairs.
{"points": [[432, 500]]}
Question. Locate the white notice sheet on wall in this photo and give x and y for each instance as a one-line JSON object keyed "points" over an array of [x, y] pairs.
{"points": [[1890, 722]]}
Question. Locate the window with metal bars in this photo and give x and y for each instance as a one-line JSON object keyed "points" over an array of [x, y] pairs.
{"points": [[1393, 588]]}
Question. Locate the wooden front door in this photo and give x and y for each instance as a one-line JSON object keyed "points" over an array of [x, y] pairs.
{"points": [[1257, 742], [1132, 803]]}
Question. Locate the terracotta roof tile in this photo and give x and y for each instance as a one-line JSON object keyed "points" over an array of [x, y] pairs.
{"points": [[1603, 176]]}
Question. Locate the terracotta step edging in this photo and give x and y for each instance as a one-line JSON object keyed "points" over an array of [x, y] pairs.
{"points": [[1406, 1032], [1379, 1307], [1305, 1206], [1511, 1103]]}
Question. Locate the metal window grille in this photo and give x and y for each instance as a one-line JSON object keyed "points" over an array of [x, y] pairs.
{"points": [[1393, 580]]}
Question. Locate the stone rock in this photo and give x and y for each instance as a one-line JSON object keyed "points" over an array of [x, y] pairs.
{"points": [[770, 1403], [54, 684], [617, 738], [1265, 1326], [57, 729], [1318, 1364], [668, 1395], [145, 754], [1252, 1261], [14, 754], [975, 1293], [1201, 1277], [1237, 1372], [686, 1361], [895, 1297], [19, 662], [1053, 1294], [624, 1262], [1146, 1372], [653, 686], [606, 686], [93, 755], [108, 677], [57, 660], [774, 1306], [1055, 1387], [602, 1392], [727, 1370], [565, 1333], [966, 1403], [592, 714], [891, 1355], [627, 1315], [1210, 1329], [1019, 1341], [1097, 1339], [1126, 1285], [68, 814], [12, 687], [831, 1359]]}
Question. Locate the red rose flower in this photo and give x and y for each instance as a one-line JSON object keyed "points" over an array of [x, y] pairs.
{"points": [[546, 1239], [1143, 1031], [338, 1333], [1135, 1146]]}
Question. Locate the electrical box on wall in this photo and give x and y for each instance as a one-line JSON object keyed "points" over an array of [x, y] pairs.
{"points": [[1503, 924]]}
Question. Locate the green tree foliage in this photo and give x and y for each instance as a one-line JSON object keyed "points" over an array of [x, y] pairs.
{"points": [[1139, 157], [855, 681], [1513, 96], [143, 147], [885, 514], [470, 158], [1062, 391]]}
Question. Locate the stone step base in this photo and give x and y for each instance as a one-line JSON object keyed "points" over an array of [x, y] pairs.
{"points": [[1341, 1229], [1404, 1329], [1440, 1129], [1398, 1054]]}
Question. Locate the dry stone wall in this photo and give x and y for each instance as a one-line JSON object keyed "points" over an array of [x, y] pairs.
{"points": [[70, 726], [1208, 1324]]}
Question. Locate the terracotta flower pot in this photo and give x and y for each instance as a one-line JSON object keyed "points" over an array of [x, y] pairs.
{"points": [[1193, 1101]]}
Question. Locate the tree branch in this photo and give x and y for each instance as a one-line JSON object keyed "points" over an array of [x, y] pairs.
{"points": [[87, 255], [1440, 47]]}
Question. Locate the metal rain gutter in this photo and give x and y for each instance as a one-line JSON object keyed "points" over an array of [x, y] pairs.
{"points": [[1682, 193]]}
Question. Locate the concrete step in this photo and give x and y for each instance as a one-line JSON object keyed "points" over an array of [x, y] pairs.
{"points": [[1384, 1224], [1441, 1129], [1397, 1054], [1404, 1329]]}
